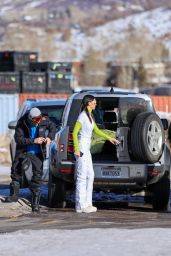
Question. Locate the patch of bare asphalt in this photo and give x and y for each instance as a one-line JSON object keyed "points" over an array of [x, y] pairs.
{"points": [[18, 216]]}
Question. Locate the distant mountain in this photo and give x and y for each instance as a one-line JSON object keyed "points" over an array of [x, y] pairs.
{"points": [[66, 13], [108, 30], [146, 34]]}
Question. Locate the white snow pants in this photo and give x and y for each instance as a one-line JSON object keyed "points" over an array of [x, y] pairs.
{"points": [[84, 176]]}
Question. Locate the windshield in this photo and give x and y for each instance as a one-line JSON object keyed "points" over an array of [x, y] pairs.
{"points": [[53, 112]]}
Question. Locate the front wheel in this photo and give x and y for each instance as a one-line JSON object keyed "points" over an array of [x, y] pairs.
{"points": [[56, 192]]}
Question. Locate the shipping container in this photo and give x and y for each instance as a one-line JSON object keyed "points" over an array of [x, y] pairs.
{"points": [[17, 61], [58, 82], [26, 96], [13, 68], [10, 82], [33, 82], [64, 67], [9, 105], [162, 103]]}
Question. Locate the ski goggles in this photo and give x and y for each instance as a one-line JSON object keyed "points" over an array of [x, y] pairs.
{"points": [[36, 119]]}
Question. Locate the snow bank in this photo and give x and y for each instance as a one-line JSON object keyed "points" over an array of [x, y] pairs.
{"points": [[85, 242]]}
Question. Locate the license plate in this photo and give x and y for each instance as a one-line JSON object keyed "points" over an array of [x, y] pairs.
{"points": [[112, 172], [115, 172]]}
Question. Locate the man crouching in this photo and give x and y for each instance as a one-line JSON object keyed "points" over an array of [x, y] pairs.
{"points": [[32, 133]]}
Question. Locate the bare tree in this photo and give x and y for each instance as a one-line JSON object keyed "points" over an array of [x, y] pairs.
{"points": [[142, 75], [94, 69]]}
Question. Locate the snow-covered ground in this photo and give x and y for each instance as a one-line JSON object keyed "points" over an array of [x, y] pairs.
{"points": [[4, 170], [92, 242], [156, 24]]}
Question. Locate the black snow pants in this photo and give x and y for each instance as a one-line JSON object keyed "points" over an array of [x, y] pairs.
{"points": [[37, 165]]}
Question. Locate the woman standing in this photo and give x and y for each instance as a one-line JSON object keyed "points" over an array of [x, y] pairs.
{"points": [[82, 134]]}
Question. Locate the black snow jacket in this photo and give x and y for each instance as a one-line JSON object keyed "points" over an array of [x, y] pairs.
{"points": [[22, 134]]}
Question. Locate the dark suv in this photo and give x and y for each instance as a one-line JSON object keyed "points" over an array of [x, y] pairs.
{"points": [[53, 108], [141, 162]]}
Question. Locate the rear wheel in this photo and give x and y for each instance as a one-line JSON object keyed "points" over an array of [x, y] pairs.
{"points": [[147, 137], [56, 192], [161, 193], [148, 197]]}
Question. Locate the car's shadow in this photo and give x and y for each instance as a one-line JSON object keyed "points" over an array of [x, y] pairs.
{"points": [[102, 200], [24, 193]]}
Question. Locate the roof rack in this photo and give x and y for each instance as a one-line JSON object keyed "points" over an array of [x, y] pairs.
{"points": [[94, 90], [31, 99], [109, 91]]}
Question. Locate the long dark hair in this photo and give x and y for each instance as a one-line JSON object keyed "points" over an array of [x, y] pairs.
{"points": [[88, 98]]}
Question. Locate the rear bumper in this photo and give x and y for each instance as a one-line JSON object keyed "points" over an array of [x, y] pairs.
{"points": [[115, 176], [105, 173], [119, 177]]}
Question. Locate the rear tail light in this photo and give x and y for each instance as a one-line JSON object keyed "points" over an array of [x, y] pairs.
{"points": [[70, 148], [67, 171], [70, 137], [154, 172]]}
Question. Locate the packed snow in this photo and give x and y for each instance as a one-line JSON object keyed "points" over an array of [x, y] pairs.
{"points": [[100, 242]]}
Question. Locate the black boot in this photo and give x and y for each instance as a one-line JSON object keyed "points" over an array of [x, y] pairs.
{"points": [[14, 192], [35, 201]]}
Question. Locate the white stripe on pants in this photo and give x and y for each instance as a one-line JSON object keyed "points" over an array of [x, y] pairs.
{"points": [[84, 180]]}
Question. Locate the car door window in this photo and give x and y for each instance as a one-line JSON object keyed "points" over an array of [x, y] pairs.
{"points": [[130, 108], [53, 112]]}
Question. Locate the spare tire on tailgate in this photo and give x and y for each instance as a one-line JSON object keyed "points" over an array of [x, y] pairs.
{"points": [[147, 137]]}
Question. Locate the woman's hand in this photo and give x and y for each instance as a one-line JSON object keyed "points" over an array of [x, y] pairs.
{"points": [[77, 153], [114, 141]]}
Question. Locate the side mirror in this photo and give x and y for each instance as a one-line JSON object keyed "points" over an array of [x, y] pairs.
{"points": [[165, 123], [12, 124]]}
